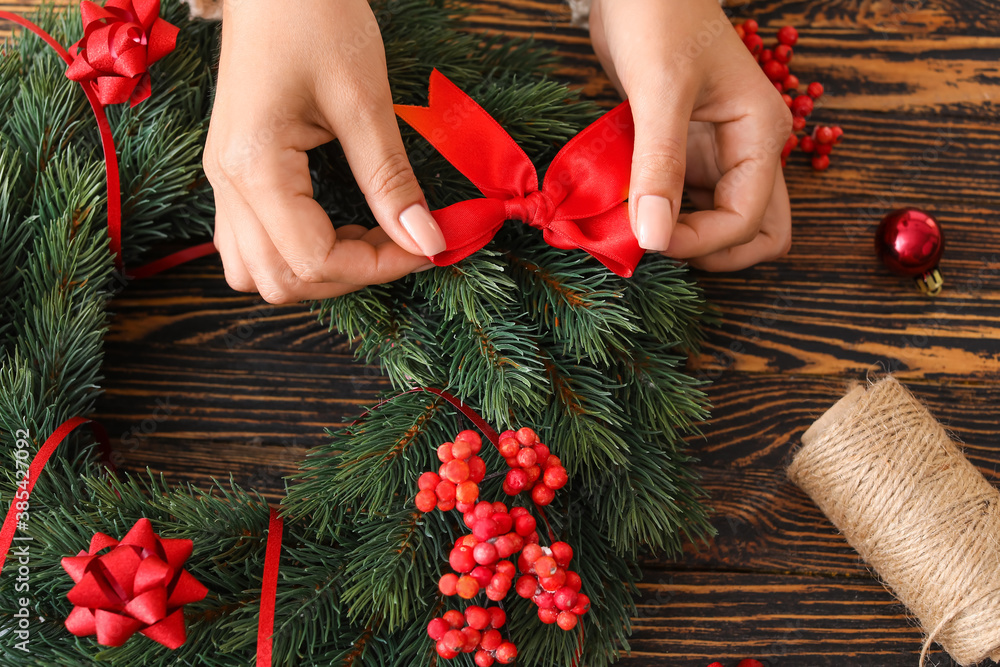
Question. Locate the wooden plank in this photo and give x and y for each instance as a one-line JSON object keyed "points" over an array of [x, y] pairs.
{"points": [[691, 618]]}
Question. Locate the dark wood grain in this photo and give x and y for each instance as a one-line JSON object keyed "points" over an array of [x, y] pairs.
{"points": [[204, 383]]}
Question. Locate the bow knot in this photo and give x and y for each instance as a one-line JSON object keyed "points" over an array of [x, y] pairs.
{"points": [[120, 41], [581, 204], [535, 209]]}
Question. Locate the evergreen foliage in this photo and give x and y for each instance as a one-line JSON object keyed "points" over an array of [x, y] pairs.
{"points": [[527, 334]]}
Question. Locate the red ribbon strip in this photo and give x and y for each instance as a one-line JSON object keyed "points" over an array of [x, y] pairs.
{"points": [[174, 259], [107, 142], [581, 204], [139, 585], [269, 590], [23, 493]]}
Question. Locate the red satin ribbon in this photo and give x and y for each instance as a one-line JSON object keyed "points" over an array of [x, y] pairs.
{"points": [[581, 204], [269, 590], [139, 585]]}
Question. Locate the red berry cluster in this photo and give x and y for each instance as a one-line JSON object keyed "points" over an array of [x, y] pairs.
{"points": [[532, 466], [774, 61], [456, 483], [550, 585], [479, 559], [478, 630], [496, 534]]}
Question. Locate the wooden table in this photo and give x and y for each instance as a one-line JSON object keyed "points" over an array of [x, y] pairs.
{"points": [[203, 382]]}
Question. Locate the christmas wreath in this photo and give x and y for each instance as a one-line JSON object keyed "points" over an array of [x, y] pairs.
{"points": [[578, 370]]}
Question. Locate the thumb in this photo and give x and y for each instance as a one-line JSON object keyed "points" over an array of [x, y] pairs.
{"points": [[658, 163], [375, 152]]}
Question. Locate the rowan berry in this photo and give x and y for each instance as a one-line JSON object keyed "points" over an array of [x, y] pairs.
{"points": [[544, 600], [823, 149], [574, 581], [562, 553], [542, 453], [509, 447], [498, 617], [491, 640], [473, 438], [791, 82], [542, 495], [444, 453], [775, 71], [444, 651], [472, 637], [788, 35], [754, 44], [456, 471], [485, 529], [823, 135], [445, 490], [534, 472], [467, 587], [462, 560], [798, 123], [454, 618], [448, 585], [807, 144], [802, 105], [526, 436], [527, 457], [815, 90], [485, 553], [437, 628], [820, 162], [548, 615], [482, 574], [532, 553], [506, 653], [484, 659], [503, 521], [446, 505], [565, 598], [566, 620], [477, 469], [466, 492], [766, 55], [555, 477], [783, 54], [454, 640], [545, 566], [505, 546], [555, 582], [582, 605], [426, 500], [464, 508], [790, 144], [750, 26], [477, 617], [526, 586]]}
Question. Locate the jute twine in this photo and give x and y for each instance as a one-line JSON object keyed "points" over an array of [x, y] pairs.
{"points": [[884, 471]]}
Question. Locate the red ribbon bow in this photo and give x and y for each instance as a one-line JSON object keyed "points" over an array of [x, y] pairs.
{"points": [[139, 585], [581, 204], [120, 41]]}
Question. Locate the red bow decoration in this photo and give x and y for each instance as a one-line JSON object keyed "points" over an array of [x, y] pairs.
{"points": [[139, 585], [581, 204], [120, 41]]}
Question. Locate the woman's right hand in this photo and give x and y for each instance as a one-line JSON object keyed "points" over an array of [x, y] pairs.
{"points": [[291, 79]]}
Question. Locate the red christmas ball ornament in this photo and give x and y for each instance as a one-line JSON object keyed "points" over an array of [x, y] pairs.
{"points": [[910, 243]]}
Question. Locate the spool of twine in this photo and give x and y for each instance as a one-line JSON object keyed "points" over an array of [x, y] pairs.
{"points": [[884, 471]]}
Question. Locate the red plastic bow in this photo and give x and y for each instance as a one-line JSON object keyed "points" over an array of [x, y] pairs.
{"points": [[139, 585], [580, 205], [120, 41]]}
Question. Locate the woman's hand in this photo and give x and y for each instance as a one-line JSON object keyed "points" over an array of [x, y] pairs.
{"points": [[705, 116], [291, 79]]}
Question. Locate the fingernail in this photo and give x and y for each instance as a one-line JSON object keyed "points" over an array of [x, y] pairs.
{"points": [[423, 229], [654, 222], [426, 267]]}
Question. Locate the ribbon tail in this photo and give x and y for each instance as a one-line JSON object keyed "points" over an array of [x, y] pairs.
{"points": [[607, 237], [467, 227], [471, 140]]}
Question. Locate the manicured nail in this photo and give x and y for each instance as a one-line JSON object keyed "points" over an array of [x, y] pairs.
{"points": [[426, 267], [654, 222], [423, 229]]}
